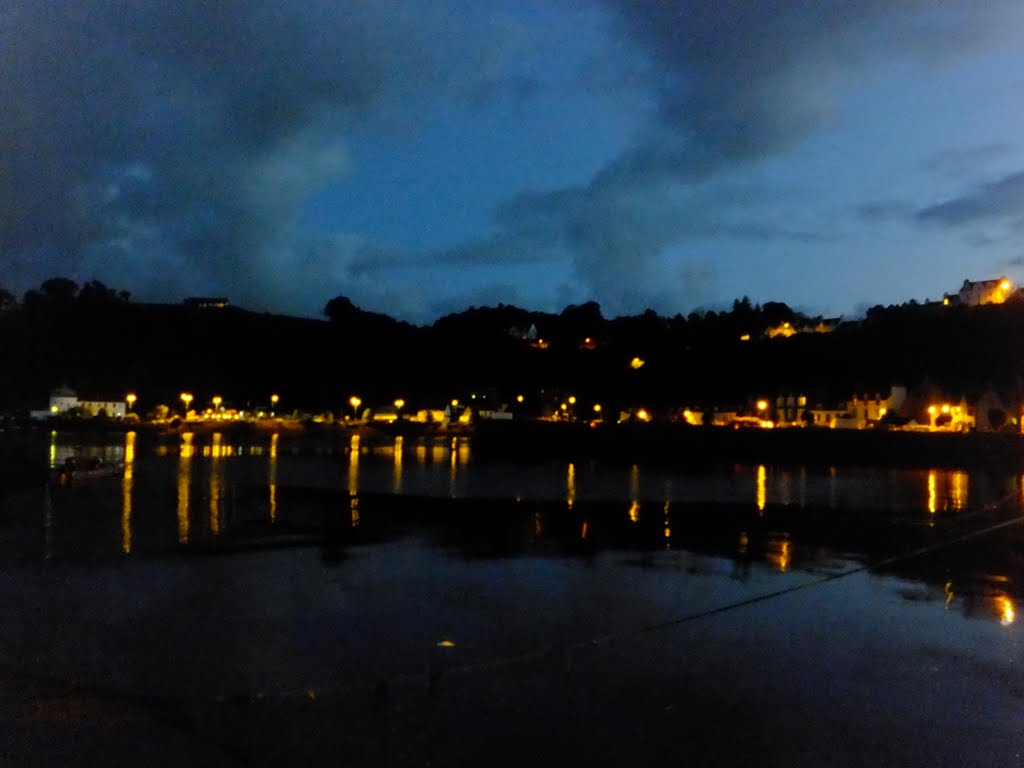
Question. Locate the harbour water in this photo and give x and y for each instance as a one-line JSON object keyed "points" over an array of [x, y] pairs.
{"points": [[402, 602]]}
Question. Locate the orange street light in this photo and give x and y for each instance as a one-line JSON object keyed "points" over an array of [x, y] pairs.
{"points": [[762, 405], [130, 398], [355, 402], [399, 403], [186, 398], [519, 398], [597, 407]]}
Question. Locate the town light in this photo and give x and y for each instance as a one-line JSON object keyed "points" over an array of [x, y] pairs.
{"points": [[597, 407], [355, 402], [643, 415], [945, 408], [762, 405], [519, 398], [130, 398], [572, 399], [932, 410], [455, 403], [186, 398], [274, 399], [399, 403], [1005, 285], [636, 363], [217, 400]]}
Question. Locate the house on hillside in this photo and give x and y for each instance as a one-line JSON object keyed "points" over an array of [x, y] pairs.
{"points": [[976, 292]]}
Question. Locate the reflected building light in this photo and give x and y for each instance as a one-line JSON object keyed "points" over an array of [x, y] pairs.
{"points": [[53, 449], [1005, 609], [584, 530], [126, 492], [421, 454], [464, 452], [353, 510], [570, 484], [538, 524], [451, 471], [762, 487], [216, 484], [187, 449], [802, 488], [396, 484], [353, 465], [634, 511], [129, 447], [958, 490], [744, 544], [668, 525], [184, 487], [272, 477], [933, 491], [949, 593], [634, 482]]}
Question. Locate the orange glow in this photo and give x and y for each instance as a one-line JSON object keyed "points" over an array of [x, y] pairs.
{"points": [[932, 410], [1005, 285], [597, 407], [762, 405], [762, 488], [1005, 608], [636, 363], [945, 408], [643, 415], [634, 511], [584, 530], [933, 492], [519, 398]]}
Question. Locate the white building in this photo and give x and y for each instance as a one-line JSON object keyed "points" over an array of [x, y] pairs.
{"points": [[63, 400]]}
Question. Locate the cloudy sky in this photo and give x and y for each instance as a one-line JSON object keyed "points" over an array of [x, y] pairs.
{"points": [[423, 156]]}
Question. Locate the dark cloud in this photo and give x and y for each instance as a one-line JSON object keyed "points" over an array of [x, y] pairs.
{"points": [[733, 83], [170, 147], [173, 144], [999, 199]]}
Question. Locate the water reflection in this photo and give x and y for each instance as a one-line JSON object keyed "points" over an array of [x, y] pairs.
{"points": [[216, 453], [946, 491], [570, 484], [353, 480], [272, 477], [762, 487], [126, 492], [184, 485], [396, 485]]}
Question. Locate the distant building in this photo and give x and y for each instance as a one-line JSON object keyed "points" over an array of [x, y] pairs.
{"points": [[64, 400], [206, 302], [977, 292]]}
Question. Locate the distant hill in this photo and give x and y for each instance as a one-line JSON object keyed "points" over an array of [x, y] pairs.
{"points": [[97, 341]]}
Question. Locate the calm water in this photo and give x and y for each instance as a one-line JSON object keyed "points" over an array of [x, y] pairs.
{"points": [[285, 601]]}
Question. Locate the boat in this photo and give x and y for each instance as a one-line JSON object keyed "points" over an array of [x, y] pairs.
{"points": [[75, 469]]}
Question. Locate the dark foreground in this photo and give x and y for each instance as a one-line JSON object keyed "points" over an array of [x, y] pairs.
{"points": [[224, 607]]}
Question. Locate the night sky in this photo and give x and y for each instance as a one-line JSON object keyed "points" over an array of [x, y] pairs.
{"points": [[422, 157]]}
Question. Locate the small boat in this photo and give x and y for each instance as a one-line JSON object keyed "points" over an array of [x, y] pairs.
{"points": [[74, 469]]}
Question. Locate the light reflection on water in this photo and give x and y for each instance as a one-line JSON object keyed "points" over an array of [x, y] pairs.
{"points": [[608, 550], [209, 469]]}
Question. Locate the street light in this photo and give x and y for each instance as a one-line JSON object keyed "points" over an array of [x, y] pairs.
{"points": [[186, 398], [130, 398], [217, 400], [355, 402]]}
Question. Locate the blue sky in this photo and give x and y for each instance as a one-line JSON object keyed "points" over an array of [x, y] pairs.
{"points": [[422, 157]]}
